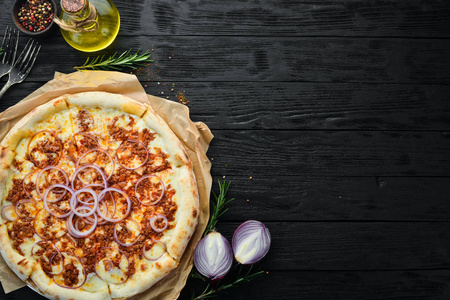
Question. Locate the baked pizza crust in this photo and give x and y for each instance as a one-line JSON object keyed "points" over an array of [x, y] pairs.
{"points": [[21, 266], [188, 203], [27, 125], [141, 281]]}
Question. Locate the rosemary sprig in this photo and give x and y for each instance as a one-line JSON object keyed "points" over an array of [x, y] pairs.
{"points": [[211, 292], [124, 60], [1, 51], [218, 207]]}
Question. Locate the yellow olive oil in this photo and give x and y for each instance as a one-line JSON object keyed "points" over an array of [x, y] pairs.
{"points": [[108, 27]]}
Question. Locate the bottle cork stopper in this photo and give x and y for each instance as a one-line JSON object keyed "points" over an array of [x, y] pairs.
{"points": [[72, 6]]}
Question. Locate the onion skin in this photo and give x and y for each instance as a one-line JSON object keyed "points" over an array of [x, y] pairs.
{"points": [[251, 242], [213, 256]]}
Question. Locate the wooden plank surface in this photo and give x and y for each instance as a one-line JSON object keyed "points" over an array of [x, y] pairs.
{"points": [[299, 106], [334, 153], [406, 18], [271, 59], [337, 111]]}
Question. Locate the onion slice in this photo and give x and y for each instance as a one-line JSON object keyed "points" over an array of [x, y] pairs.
{"points": [[101, 151], [116, 238], [73, 257], [140, 144], [101, 197], [158, 253], [55, 161], [109, 266], [163, 190], [42, 172], [78, 170], [9, 208], [153, 222], [77, 233], [18, 211], [45, 200]]}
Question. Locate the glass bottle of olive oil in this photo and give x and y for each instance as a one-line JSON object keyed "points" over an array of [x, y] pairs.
{"points": [[92, 25]]}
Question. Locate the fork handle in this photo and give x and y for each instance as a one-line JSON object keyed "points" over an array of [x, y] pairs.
{"points": [[5, 87]]}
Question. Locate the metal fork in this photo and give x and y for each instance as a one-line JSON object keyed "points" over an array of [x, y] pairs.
{"points": [[23, 65], [9, 46]]}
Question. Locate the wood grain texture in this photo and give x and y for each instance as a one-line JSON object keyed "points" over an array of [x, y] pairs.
{"points": [[334, 153], [293, 105], [430, 285], [271, 59], [354, 245], [285, 18], [330, 198]]}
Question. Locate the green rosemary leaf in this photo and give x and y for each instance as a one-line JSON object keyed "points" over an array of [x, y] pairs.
{"points": [[210, 292], [218, 207], [124, 60], [1, 51]]}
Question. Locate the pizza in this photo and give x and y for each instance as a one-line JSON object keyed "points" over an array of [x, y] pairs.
{"points": [[98, 197]]}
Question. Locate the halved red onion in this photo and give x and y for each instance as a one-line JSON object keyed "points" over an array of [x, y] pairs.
{"points": [[65, 255], [132, 168], [110, 265], [55, 161], [101, 196], [153, 222], [163, 190], [18, 211], [51, 168], [251, 242], [213, 256], [157, 242], [75, 174], [77, 233], [45, 200], [102, 151], [116, 238], [6, 213]]}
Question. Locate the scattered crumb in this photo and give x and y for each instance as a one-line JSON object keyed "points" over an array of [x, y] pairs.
{"points": [[251, 177], [145, 85], [248, 200], [224, 176], [182, 99]]}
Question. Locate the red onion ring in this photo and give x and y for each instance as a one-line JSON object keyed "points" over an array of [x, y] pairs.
{"points": [[84, 273], [51, 258], [72, 143], [74, 201], [134, 168], [102, 151], [102, 194], [45, 200], [42, 172], [126, 244], [121, 252], [77, 233], [155, 241], [56, 185], [61, 147], [162, 192], [75, 174], [5, 216], [23, 183], [153, 222], [19, 213]]}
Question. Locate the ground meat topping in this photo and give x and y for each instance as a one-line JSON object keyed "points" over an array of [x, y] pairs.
{"points": [[85, 120]]}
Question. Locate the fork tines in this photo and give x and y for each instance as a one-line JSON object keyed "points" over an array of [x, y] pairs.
{"points": [[27, 57]]}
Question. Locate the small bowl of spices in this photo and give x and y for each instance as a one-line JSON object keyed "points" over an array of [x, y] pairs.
{"points": [[34, 17]]}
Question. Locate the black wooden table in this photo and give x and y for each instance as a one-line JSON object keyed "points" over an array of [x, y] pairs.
{"points": [[331, 119]]}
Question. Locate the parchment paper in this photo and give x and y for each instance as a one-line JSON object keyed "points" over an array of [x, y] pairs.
{"points": [[195, 137]]}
